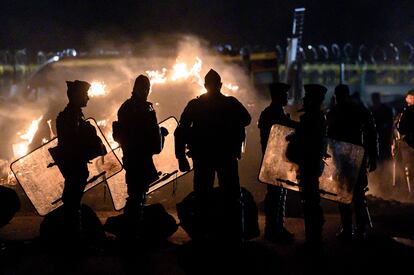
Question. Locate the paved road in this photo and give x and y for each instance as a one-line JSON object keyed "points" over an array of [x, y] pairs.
{"points": [[24, 254]]}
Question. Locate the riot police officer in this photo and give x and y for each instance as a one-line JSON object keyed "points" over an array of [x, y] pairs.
{"points": [[275, 199], [307, 148], [352, 122], [212, 128], [384, 121], [140, 138], [405, 127], [77, 144]]}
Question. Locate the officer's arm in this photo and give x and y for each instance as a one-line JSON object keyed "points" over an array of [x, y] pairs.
{"points": [[403, 124], [182, 131], [155, 133], [243, 115], [264, 131]]}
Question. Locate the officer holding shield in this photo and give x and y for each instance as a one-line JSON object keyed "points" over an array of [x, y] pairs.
{"points": [[140, 138], [307, 148], [352, 122], [275, 200], [77, 144]]}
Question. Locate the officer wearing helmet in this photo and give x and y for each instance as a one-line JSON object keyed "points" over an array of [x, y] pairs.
{"points": [[275, 199], [77, 144], [140, 137], [212, 128], [353, 122], [307, 148]]}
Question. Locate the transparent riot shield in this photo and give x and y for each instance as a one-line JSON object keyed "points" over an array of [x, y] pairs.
{"points": [[165, 163], [43, 183], [340, 171]]}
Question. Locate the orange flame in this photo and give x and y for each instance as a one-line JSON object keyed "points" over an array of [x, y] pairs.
{"points": [[20, 149], [97, 89]]}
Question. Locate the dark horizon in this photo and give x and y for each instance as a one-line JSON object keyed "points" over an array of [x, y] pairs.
{"points": [[54, 25]]}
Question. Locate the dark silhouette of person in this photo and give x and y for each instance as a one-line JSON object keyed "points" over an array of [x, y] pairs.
{"points": [[275, 199], [140, 138], [405, 127], [352, 122], [212, 128], [77, 143], [384, 121], [405, 124], [356, 97], [307, 148]]}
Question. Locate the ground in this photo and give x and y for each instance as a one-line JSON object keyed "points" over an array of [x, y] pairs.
{"points": [[23, 253]]}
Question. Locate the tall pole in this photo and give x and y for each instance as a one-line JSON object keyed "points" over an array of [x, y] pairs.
{"points": [[293, 63]]}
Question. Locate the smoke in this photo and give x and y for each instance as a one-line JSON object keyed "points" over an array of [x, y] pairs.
{"points": [[383, 184], [163, 55]]}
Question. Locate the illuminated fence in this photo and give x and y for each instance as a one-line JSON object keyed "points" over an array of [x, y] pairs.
{"points": [[387, 65]]}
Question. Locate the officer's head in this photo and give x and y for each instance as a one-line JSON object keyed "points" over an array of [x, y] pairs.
{"points": [[78, 92], [141, 87], [314, 96], [212, 82], [376, 98], [279, 93], [342, 93], [409, 98]]}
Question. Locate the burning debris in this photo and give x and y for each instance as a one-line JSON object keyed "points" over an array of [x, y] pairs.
{"points": [[20, 149], [110, 84]]}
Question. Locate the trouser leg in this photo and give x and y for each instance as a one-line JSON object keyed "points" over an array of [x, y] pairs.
{"points": [[228, 177], [362, 217], [345, 210], [204, 174], [274, 207], [311, 207], [75, 182], [134, 208]]}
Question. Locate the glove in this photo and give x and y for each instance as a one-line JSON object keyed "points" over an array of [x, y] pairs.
{"points": [[183, 164]]}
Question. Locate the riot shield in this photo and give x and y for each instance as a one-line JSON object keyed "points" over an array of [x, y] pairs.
{"points": [[340, 170], [43, 183], [165, 163]]}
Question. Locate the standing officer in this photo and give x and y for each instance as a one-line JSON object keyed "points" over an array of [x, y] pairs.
{"points": [[275, 200], [405, 127], [384, 122], [307, 148], [140, 138], [77, 144], [212, 127], [352, 122]]}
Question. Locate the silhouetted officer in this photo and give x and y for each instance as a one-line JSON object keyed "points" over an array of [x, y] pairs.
{"points": [[212, 127], [405, 124], [405, 127], [352, 122], [77, 144], [307, 148], [384, 121], [275, 200], [140, 138]]}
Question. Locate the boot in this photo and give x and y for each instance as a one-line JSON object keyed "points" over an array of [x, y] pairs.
{"points": [[274, 229], [363, 222]]}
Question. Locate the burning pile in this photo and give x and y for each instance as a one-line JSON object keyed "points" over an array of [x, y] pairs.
{"points": [[184, 70]]}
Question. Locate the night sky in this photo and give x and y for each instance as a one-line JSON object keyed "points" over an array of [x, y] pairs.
{"points": [[57, 24]]}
